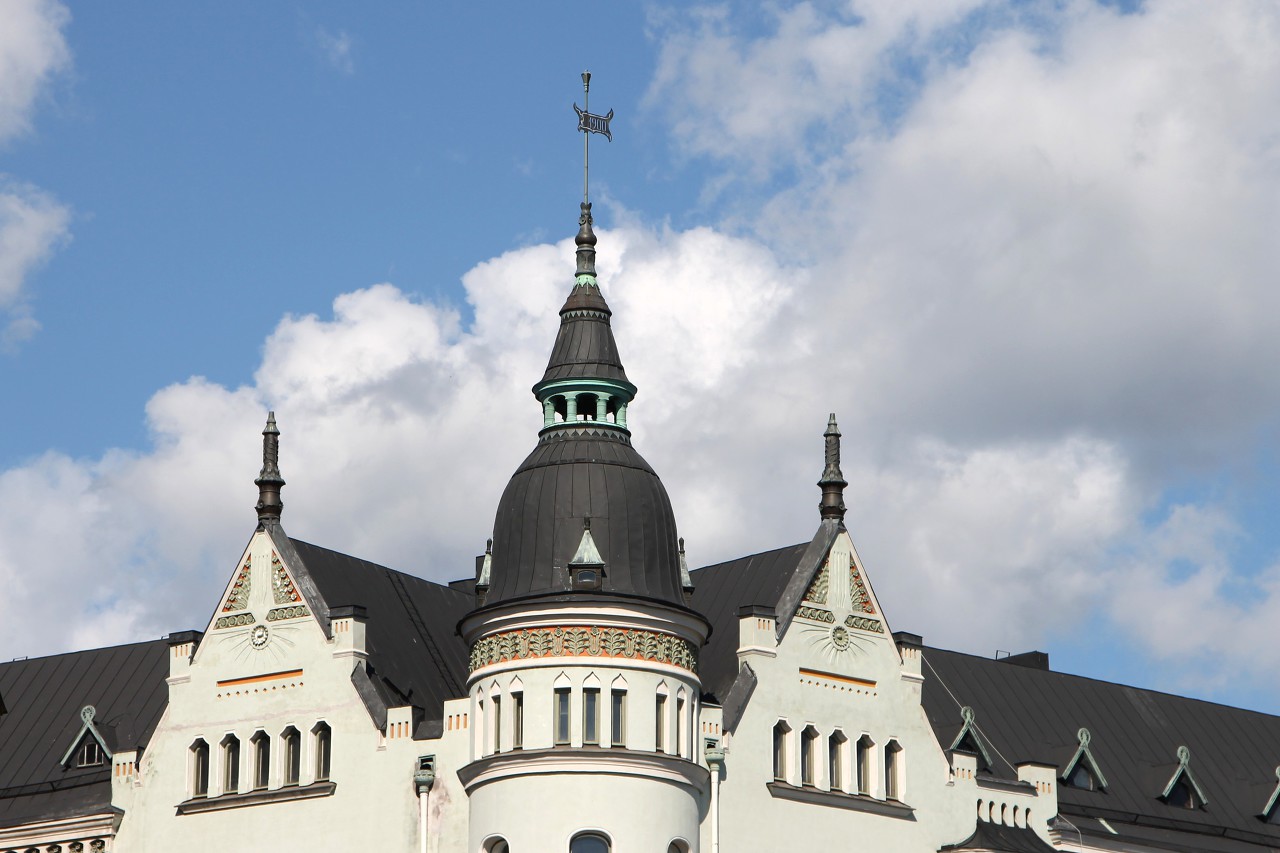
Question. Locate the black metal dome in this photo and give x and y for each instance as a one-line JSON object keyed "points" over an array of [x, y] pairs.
{"points": [[572, 476]]}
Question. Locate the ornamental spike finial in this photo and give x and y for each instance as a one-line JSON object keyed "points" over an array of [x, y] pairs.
{"points": [[832, 482], [269, 481]]}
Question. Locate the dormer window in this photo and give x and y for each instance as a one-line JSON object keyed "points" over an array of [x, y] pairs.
{"points": [[90, 754], [586, 579], [1083, 772], [1081, 777], [1182, 795]]}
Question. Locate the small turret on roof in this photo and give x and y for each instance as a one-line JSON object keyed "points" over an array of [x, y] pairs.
{"points": [[832, 482]]}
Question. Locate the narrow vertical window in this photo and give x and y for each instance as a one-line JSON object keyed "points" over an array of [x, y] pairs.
{"points": [[866, 748], [660, 724], [618, 717], [324, 748], [292, 755], [893, 771], [562, 715], [200, 769], [808, 745], [497, 723], [835, 761], [517, 721], [682, 726], [591, 715], [261, 760], [780, 732], [230, 764]]}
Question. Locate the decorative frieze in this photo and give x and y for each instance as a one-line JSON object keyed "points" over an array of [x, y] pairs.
{"points": [[235, 621], [287, 612], [861, 598], [817, 614], [862, 623], [281, 584], [238, 598], [817, 592], [584, 641]]}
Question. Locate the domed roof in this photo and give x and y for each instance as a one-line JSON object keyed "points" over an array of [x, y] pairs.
{"points": [[572, 477], [584, 512]]}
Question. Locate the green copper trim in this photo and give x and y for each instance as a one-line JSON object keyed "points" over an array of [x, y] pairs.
{"points": [[585, 280], [625, 391]]}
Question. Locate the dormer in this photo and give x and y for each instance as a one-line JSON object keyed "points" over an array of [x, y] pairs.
{"points": [[970, 740], [1183, 791], [1082, 771], [89, 749]]}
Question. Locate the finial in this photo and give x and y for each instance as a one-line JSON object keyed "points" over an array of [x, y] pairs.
{"points": [[832, 482], [269, 481], [589, 124], [586, 252], [686, 580], [486, 569]]}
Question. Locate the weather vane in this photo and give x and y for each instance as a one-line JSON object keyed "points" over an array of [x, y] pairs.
{"points": [[589, 123]]}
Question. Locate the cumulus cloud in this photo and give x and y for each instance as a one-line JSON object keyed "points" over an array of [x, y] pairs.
{"points": [[32, 225], [32, 51], [1023, 255]]}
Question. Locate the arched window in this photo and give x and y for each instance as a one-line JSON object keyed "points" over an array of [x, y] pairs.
{"points": [[200, 768], [618, 713], [781, 732], [660, 719], [517, 720], [591, 712], [90, 754], [866, 753], [678, 846], [261, 760], [292, 755], [562, 716], [230, 764], [893, 771], [836, 745], [497, 720], [682, 725], [497, 845], [590, 842], [808, 746], [323, 736]]}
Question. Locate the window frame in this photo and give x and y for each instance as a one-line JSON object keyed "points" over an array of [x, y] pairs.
{"points": [[781, 752], [261, 743], [229, 748], [322, 751], [618, 717], [893, 770], [591, 716], [199, 768], [562, 716]]}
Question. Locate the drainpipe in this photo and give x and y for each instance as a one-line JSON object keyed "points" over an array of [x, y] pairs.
{"points": [[715, 760], [423, 778]]}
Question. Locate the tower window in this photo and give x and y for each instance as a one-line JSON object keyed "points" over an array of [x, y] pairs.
{"points": [[660, 724], [261, 761], [200, 769], [292, 755], [781, 731], [230, 764], [590, 842], [618, 717], [682, 726], [324, 748], [497, 723], [562, 715], [591, 715], [517, 720]]}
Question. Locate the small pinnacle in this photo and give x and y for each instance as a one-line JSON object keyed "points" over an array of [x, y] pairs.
{"points": [[269, 481], [832, 482]]}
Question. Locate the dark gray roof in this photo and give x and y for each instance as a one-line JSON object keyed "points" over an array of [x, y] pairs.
{"points": [[1006, 839], [584, 345], [719, 591], [572, 475], [415, 654], [126, 686], [1030, 714]]}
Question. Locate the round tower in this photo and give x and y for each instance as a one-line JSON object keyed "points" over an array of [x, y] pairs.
{"points": [[583, 670]]}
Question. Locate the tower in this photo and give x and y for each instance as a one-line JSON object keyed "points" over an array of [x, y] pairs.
{"points": [[583, 654]]}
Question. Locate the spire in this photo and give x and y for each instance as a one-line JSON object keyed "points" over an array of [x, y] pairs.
{"points": [[269, 481], [832, 482]]}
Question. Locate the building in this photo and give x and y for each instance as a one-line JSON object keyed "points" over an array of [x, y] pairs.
{"points": [[585, 691]]}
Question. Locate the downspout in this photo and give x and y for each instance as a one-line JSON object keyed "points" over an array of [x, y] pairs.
{"points": [[423, 779], [715, 759]]}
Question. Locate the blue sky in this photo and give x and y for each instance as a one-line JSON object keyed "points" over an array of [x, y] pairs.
{"points": [[1022, 249]]}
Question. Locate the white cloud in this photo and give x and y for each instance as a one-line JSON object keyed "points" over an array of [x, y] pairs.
{"points": [[32, 51], [32, 225], [336, 49]]}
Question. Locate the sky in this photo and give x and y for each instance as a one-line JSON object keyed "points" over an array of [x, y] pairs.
{"points": [[1025, 251]]}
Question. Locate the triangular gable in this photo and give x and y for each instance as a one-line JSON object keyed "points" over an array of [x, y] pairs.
{"points": [[970, 739], [87, 729], [1184, 774], [829, 585], [1083, 754]]}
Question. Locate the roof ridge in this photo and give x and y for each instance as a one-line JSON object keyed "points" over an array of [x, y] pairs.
{"points": [[82, 651], [403, 574], [749, 556]]}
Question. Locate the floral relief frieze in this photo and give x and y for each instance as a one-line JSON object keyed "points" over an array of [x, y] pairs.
{"points": [[862, 623], [584, 641], [287, 612], [234, 621], [817, 614]]}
